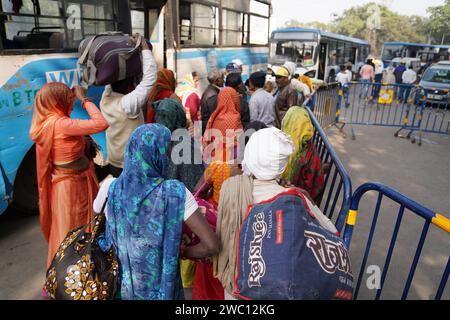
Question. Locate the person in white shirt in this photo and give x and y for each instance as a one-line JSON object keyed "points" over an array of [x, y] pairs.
{"points": [[409, 77], [262, 103], [343, 77], [122, 104]]}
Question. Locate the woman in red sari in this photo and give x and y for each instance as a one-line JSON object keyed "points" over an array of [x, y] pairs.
{"points": [[66, 175], [164, 88]]}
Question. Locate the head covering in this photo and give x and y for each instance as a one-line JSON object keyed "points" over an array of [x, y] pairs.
{"points": [[264, 162], [165, 80], [227, 114], [54, 101], [297, 124], [186, 88], [226, 117], [258, 79], [238, 62], [145, 215], [290, 66], [232, 68], [233, 80], [170, 113], [281, 71], [214, 75], [252, 127]]}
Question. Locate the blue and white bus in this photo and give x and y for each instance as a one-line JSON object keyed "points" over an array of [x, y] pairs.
{"points": [[39, 41], [202, 35], [317, 53], [425, 52]]}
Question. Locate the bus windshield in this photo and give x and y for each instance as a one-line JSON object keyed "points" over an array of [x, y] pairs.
{"points": [[301, 52], [391, 51]]}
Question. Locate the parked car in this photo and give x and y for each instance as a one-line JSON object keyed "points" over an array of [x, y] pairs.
{"points": [[435, 84]]}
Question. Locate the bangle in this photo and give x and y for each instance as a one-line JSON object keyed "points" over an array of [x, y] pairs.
{"points": [[84, 101]]}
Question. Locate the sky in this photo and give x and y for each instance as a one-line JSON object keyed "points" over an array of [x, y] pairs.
{"points": [[322, 10]]}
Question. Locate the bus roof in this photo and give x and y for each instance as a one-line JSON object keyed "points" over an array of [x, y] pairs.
{"points": [[324, 34], [418, 45]]}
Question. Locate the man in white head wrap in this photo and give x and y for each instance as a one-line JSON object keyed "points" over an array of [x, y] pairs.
{"points": [[239, 63], [295, 83], [266, 156]]}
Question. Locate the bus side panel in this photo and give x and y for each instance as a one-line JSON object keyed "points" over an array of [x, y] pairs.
{"points": [[204, 60], [17, 100]]}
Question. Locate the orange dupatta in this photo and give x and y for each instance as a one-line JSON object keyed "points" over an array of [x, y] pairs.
{"points": [[227, 116], [54, 101]]}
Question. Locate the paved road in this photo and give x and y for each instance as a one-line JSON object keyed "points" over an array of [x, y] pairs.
{"points": [[419, 172], [22, 257]]}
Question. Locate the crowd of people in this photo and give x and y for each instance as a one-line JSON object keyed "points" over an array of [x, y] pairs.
{"points": [[373, 75], [184, 168]]}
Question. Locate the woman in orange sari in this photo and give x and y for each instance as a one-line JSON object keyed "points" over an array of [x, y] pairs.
{"points": [[66, 175], [226, 121]]}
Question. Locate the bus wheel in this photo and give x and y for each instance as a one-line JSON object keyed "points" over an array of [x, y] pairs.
{"points": [[25, 196]]}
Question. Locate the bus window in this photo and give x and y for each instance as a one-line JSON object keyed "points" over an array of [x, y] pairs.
{"points": [[347, 53], [332, 53], [340, 59], [138, 21], [259, 30], [199, 24], [232, 28], [51, 24]]}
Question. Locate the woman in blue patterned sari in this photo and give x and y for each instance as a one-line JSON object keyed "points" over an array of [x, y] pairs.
{"points": [[144, 213]]}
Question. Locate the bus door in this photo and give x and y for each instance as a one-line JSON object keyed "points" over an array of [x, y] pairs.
{"points": [[147, 18], [353, 56], [322, 61]]}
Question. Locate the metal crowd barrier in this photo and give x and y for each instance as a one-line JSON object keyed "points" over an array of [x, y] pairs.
{"points": [[325, 104], [429, 216], [338, 186], [394, 105]]}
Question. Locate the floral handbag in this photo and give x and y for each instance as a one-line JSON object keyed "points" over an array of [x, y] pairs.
{"points": [[80, 270]]}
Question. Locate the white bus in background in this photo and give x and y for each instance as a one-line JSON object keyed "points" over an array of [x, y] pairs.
{"points": [[317, 53], [187, 36]]}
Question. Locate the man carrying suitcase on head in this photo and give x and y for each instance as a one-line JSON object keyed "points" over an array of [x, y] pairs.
{"points": [[122, 104]]}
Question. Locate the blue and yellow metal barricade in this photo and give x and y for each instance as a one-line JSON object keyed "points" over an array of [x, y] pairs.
{"points": [[338, 186], [428, 215], [395, 105]]}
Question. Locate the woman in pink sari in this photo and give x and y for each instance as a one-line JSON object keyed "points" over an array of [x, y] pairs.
{"points": [[66, 177]]}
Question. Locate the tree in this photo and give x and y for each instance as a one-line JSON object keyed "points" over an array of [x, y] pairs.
{"points": [[439, 23], [392, 26]]}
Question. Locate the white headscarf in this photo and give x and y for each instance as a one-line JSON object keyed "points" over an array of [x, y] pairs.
{"points": [[267, 154], [291, 67]]}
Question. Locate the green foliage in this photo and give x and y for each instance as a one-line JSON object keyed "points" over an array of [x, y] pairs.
{"points": [[439, 24]]}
